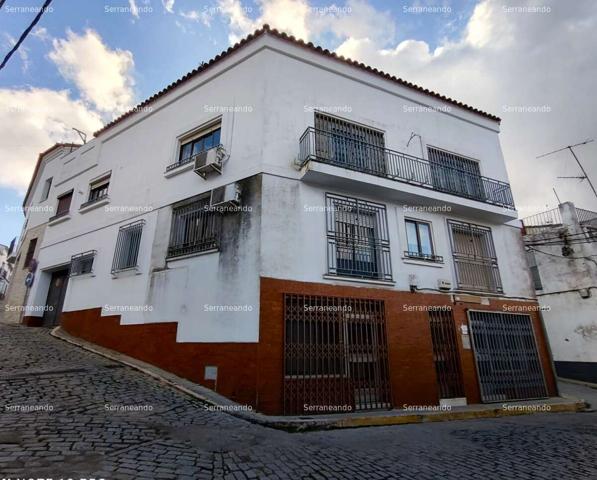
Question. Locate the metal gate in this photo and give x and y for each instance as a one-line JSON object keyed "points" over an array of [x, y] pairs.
{"points": [[445, 354], [508, 364], [335, 355]]}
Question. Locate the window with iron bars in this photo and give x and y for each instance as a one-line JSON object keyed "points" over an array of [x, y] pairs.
{"points": [[195, 228], [358, 239], [82, 263], [127, 246], [475, 260]]}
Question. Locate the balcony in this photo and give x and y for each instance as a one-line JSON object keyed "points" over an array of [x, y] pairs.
{"points": [[339, 151]]}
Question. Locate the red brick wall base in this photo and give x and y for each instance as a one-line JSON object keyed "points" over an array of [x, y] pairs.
{"points": [[252, 373]]}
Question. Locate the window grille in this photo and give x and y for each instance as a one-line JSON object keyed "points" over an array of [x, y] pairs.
{"points": [[127, 246], [358, 239], [195, 228]]}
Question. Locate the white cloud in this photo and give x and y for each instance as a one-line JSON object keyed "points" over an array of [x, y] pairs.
{"points": [[103, 76], [33, 120], [22, 52], [168, 5], [203, 17], [133, 8]]}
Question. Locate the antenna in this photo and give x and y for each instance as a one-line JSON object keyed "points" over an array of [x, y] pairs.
{"points": [[82, 134], [570, 147], [556, 194]]}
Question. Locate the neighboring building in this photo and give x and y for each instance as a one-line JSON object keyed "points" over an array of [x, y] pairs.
{"points": [[235, 232], [562, 253], [38, 206], [5, 271]]}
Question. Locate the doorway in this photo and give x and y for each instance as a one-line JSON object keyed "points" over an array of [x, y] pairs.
{"points": [[55, 300]]}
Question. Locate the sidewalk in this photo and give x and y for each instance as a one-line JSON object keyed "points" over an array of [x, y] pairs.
{"points": [[565, 403]]}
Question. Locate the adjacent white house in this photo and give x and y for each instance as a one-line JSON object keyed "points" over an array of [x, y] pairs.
{"points": [[300, 232], [562, 254]]}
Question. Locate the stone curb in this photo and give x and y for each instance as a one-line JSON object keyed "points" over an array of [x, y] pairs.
{"points": [[302, 424]]}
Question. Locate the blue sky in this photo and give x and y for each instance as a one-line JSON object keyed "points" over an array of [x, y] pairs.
{"points": [[482, 57]]}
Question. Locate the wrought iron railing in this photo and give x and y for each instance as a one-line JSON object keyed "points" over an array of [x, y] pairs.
{"points": [[333, 149], [82, 263], [94, 200]]}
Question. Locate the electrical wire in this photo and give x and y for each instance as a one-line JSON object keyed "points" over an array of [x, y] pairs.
{"points": [[25, 33]]}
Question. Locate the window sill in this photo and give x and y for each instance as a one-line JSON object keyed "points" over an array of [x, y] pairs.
{"points": [[185, 167], [81, 275], [127, 272], [359, 280], [424, 263], [94, 205], [57, 220], [191, 255]]}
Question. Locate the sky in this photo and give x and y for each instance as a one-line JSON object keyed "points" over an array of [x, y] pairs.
{"points": [[531, 62]]}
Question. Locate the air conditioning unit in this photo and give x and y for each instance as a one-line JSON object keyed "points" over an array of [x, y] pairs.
{"points": [[209, 161], [444, 284], [225, 198]]}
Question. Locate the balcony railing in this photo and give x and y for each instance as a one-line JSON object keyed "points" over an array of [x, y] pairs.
{"points": [[94, 200], [423, 256], [333, 149]]}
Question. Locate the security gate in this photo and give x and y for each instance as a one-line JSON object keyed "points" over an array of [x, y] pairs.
{"points": [[445, 354], [508, 364], [335, 355]]}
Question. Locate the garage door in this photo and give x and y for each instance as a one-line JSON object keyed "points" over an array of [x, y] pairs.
{"points": [[508, 364]]}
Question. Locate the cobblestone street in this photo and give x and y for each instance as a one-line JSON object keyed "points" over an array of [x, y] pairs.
{"points": [[179, 438]]}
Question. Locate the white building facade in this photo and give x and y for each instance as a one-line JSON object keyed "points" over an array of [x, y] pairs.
{"points": [[562, 253], [297, 232]]}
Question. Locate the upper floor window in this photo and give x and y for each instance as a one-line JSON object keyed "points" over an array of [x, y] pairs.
{"points": [[419, 241], [63, 206], [46, 190], [349, 144], [195, 227], [127, 246], [203, 140], [475, 260], [30, 252], [358, 240], [456, 174], [98, 190]]}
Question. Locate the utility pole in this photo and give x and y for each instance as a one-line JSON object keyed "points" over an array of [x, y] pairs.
{"points": [[570, 147]]}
